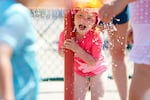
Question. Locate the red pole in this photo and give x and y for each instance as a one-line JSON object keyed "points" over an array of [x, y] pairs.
{"points": [[69, 58]]}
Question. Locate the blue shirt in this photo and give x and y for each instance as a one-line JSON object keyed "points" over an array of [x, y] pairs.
{"points": [[16, 31]]}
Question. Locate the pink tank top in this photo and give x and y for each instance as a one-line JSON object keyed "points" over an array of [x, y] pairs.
{"points": [[140, 12]]}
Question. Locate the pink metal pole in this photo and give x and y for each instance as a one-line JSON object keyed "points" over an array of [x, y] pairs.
{"points": [[69, 55]]}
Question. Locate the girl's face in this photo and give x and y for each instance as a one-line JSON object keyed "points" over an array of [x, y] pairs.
{"points": [[84, 21]]}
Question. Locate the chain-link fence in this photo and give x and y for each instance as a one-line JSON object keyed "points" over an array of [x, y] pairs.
{"points": [[49, 23]]}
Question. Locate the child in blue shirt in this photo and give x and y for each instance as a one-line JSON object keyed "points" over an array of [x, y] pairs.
{"points": [[18, 65]]}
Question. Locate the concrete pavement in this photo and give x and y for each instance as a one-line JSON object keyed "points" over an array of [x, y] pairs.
{"points": [[54, 90]]}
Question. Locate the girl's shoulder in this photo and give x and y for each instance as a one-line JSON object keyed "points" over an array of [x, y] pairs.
{"points": [[95, 35]]}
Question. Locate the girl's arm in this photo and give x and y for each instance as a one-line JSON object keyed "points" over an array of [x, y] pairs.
{"points": [[89, 59], [81, 53], [6, 77], [61, 44], [61, 52]]}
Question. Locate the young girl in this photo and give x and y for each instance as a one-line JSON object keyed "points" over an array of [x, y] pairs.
{"points": [[89, 61]]}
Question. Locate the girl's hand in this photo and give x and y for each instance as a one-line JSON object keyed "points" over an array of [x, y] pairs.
{"points": [[71, 45]]}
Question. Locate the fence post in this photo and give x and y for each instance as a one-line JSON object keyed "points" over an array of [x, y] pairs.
{"points": [[69, 55]]}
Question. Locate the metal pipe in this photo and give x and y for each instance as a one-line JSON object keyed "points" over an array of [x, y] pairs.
{"points": [[69, 55]]}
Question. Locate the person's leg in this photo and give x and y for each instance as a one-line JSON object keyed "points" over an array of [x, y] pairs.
{"points": [[117, 44], [97, 88], [81, 85], [0, 88], [140, 84]]}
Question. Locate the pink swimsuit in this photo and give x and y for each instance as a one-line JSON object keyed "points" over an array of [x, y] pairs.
{"points": [[91, 43]]}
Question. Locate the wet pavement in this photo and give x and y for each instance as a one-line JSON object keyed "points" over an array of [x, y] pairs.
{"points": [[54, 90]]}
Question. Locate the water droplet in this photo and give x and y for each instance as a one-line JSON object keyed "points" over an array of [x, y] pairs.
{"points": [[121, 43], [123, 38], [116, 65], [118, 40]]}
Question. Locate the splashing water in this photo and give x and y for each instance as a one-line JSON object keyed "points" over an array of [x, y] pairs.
{"points": [[115, 65], [121, 43], [110, 27]]}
